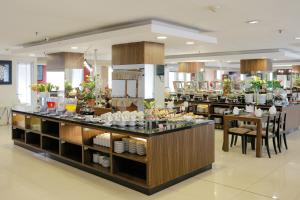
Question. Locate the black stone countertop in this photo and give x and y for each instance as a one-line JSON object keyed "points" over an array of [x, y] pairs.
{"points": [[138, 131]]}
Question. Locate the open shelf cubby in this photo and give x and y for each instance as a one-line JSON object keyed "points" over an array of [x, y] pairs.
{"points": [[71, 151], [50, 144], [50, 128], [71, 133], [18, 134], [33, 123], [88, 160], [33, 139], [88, 135], [18, 120], [130, 169]]}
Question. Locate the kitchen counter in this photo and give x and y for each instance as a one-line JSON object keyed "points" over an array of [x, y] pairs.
{"points": [[173, 153]]}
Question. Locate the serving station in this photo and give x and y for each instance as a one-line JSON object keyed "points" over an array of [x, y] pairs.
{"points": [[173, 151]]}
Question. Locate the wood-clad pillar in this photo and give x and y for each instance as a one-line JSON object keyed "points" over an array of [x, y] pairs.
{"points": [[191, 67], [296, 68], [138, 53], [252, 66]]}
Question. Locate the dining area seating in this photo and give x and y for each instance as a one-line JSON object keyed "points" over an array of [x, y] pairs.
{"points": [[267, 130]]}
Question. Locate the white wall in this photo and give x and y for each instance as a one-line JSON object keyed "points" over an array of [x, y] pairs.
{"points": [[8, 93]]}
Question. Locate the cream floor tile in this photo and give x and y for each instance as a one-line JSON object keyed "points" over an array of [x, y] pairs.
{"points": [[26, 175], [283, 183], [250, 196]]}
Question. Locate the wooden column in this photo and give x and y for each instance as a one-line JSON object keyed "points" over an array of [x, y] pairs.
{"points": [[296, 68], [252, 66], [191, 67], [138, 53], [64, 60]]}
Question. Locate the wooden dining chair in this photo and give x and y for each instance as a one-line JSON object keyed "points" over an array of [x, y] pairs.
{"points": [[235, 132], [282, 132], [268, 132]]}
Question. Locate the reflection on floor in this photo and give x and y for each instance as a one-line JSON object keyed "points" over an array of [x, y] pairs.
{"points": [[24, 175]]}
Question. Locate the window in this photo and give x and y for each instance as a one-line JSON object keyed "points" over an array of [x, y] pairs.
{"points": [[24, 81], [172, 77], [56, 78], [110, 71], [178, 76]]}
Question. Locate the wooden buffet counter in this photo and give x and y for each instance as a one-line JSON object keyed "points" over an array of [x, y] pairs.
{"points": [[292, 111], [174, 153]]}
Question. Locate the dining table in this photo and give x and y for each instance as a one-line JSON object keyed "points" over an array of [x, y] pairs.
{"points": [[245, 117]]}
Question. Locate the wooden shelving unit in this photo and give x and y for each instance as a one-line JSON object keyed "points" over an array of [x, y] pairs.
{"points": [[71, 133], [33, 139], [88, 160], [72, 143], [50, 127], [50, 144], [134, 157], [98, 148], [18, 134]]}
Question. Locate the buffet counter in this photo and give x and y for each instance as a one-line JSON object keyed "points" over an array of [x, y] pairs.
{"points": [[216, 111], [173, 152]]}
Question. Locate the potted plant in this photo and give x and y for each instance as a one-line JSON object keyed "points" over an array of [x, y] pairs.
{"points": [[257, 84]]}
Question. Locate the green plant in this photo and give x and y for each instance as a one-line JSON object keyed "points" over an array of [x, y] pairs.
{"points": [[44, 87], [274, 84], [68, 88], [149, 104], [297, 82], [257, 83]]}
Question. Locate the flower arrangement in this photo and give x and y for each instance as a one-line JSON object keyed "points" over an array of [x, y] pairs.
{"points": [[88, 89], [226, 86], [44, 87]]}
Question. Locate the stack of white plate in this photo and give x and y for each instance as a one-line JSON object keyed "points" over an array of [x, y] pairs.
{"points": [[132, 146], [126, 143], [119, 146], [141, 148], [106, 162], [102, 140]]}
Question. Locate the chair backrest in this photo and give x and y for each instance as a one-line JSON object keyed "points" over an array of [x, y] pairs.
{"points": [[284, 122], [271, 120], [278, 122]]}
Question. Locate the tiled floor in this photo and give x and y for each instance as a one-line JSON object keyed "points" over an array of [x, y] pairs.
{"points": [[24, 175]]}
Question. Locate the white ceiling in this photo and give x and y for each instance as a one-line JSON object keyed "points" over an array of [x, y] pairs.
{"points": [[21, 19]]}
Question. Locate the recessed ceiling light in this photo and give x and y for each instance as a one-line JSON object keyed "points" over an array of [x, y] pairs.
{"points": [[190, 43], [297, 38], [74, 48], [161, 37], [253, 22], [31, 54]]}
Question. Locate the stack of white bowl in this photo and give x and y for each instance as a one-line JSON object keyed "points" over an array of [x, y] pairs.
{"points": [[141, 148], [101, 160], [126, 143], [132, 146], [102, 140], [119, 146]]}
